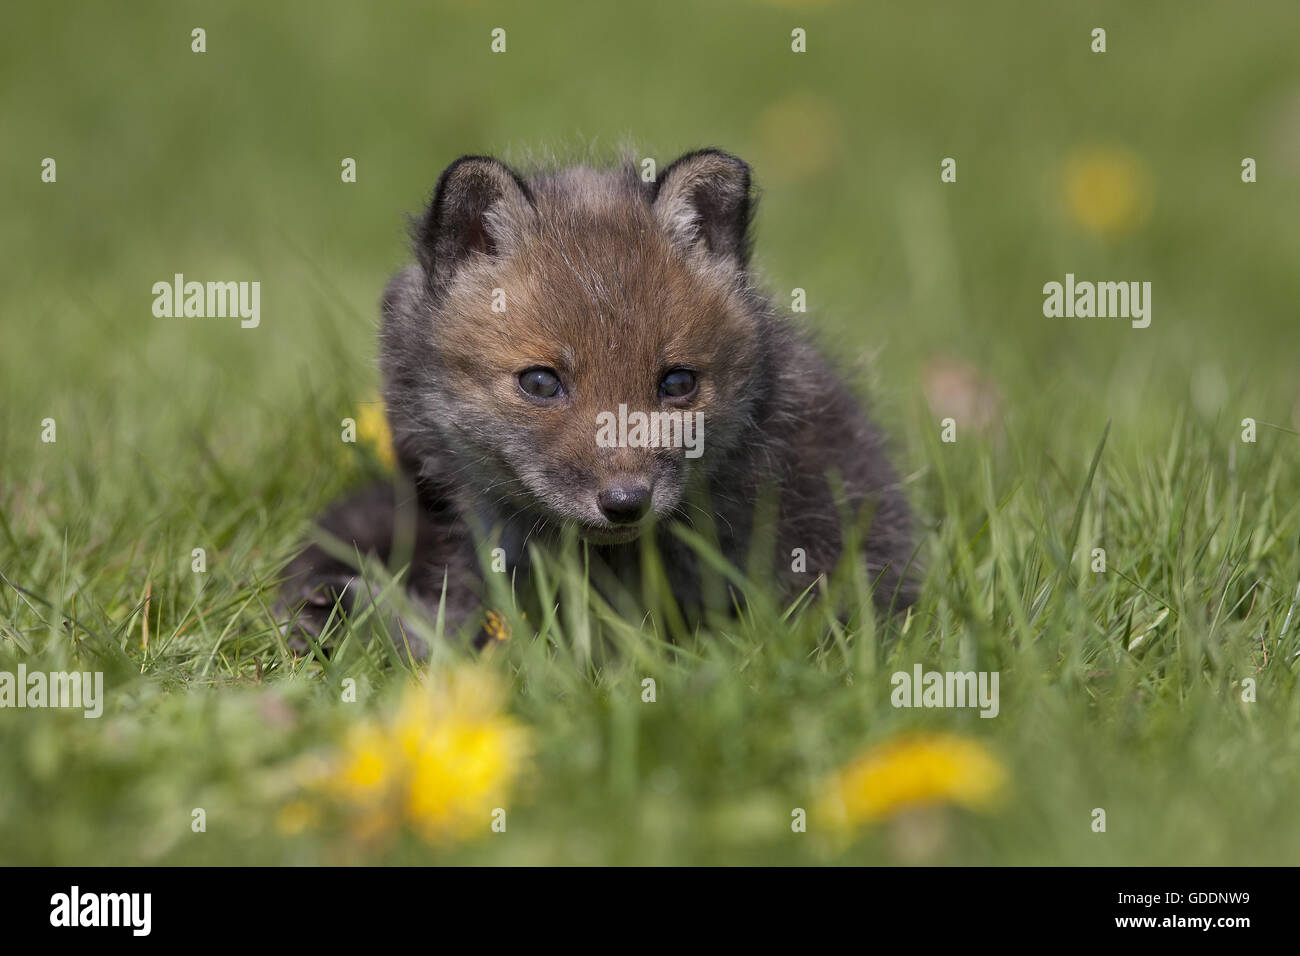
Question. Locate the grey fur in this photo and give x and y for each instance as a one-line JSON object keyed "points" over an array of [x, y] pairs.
{"points": [[614, 278]]}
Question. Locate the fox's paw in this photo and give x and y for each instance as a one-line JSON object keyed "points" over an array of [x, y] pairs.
{"points": [[314, 610], [311, 607]]}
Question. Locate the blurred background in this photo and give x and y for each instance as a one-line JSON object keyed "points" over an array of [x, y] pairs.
{"points": [[225, 165]]}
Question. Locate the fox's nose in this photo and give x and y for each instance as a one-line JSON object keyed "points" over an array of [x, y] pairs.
{"points": [[624, 503]]}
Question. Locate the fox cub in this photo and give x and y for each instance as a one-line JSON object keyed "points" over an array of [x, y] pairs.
{"points": [[583, 354]]}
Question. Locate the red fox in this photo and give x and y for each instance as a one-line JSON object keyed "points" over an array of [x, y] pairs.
{"points": [[552, 330]]}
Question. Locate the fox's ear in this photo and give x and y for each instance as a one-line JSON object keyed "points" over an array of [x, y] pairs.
{"points": [[480, 205], [703, 201]]}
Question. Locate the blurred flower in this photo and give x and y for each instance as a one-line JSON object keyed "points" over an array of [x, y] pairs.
{"points": [[913, 772], [958, 389], [372, 430], [1108, 191], [441, 764], [799, 136], [496, 626]]}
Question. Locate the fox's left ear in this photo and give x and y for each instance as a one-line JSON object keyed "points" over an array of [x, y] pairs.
{"points": [[479, 206], [703, 201]]}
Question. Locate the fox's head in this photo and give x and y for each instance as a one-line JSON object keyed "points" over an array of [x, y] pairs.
{"points": [[543, 310]]}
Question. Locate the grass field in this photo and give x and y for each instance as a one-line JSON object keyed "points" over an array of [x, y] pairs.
{"points": [[1162, 690]]}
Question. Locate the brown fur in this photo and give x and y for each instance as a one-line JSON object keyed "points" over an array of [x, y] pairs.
{"points": [[609, 281]]}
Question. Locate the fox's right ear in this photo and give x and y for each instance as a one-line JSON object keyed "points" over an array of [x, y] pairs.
{"points": [[704, 201], [480, 205]]}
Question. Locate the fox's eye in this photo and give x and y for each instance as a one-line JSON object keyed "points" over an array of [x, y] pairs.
{"points": [[677, 383], [540, 383]]}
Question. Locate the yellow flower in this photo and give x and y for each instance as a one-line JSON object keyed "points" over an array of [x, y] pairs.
{"points": [[496, 626], [371, 764], [799, 137], [372, 429], [441, 764], [1108, 191], [911, 772]]}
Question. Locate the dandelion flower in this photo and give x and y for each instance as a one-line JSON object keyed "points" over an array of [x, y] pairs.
{"points": [[799, 137], [372, 429], [441, 764], [912, 772], [495, 626], [1108, 191]]}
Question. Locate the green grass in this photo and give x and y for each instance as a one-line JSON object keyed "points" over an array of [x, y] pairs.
{"points": [[1120, 690]]}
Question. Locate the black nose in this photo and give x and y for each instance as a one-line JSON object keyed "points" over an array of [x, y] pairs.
{"points": [[624, 504]]}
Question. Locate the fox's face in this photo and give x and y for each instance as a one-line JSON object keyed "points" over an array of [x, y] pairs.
{"points": [[583, 344]]}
